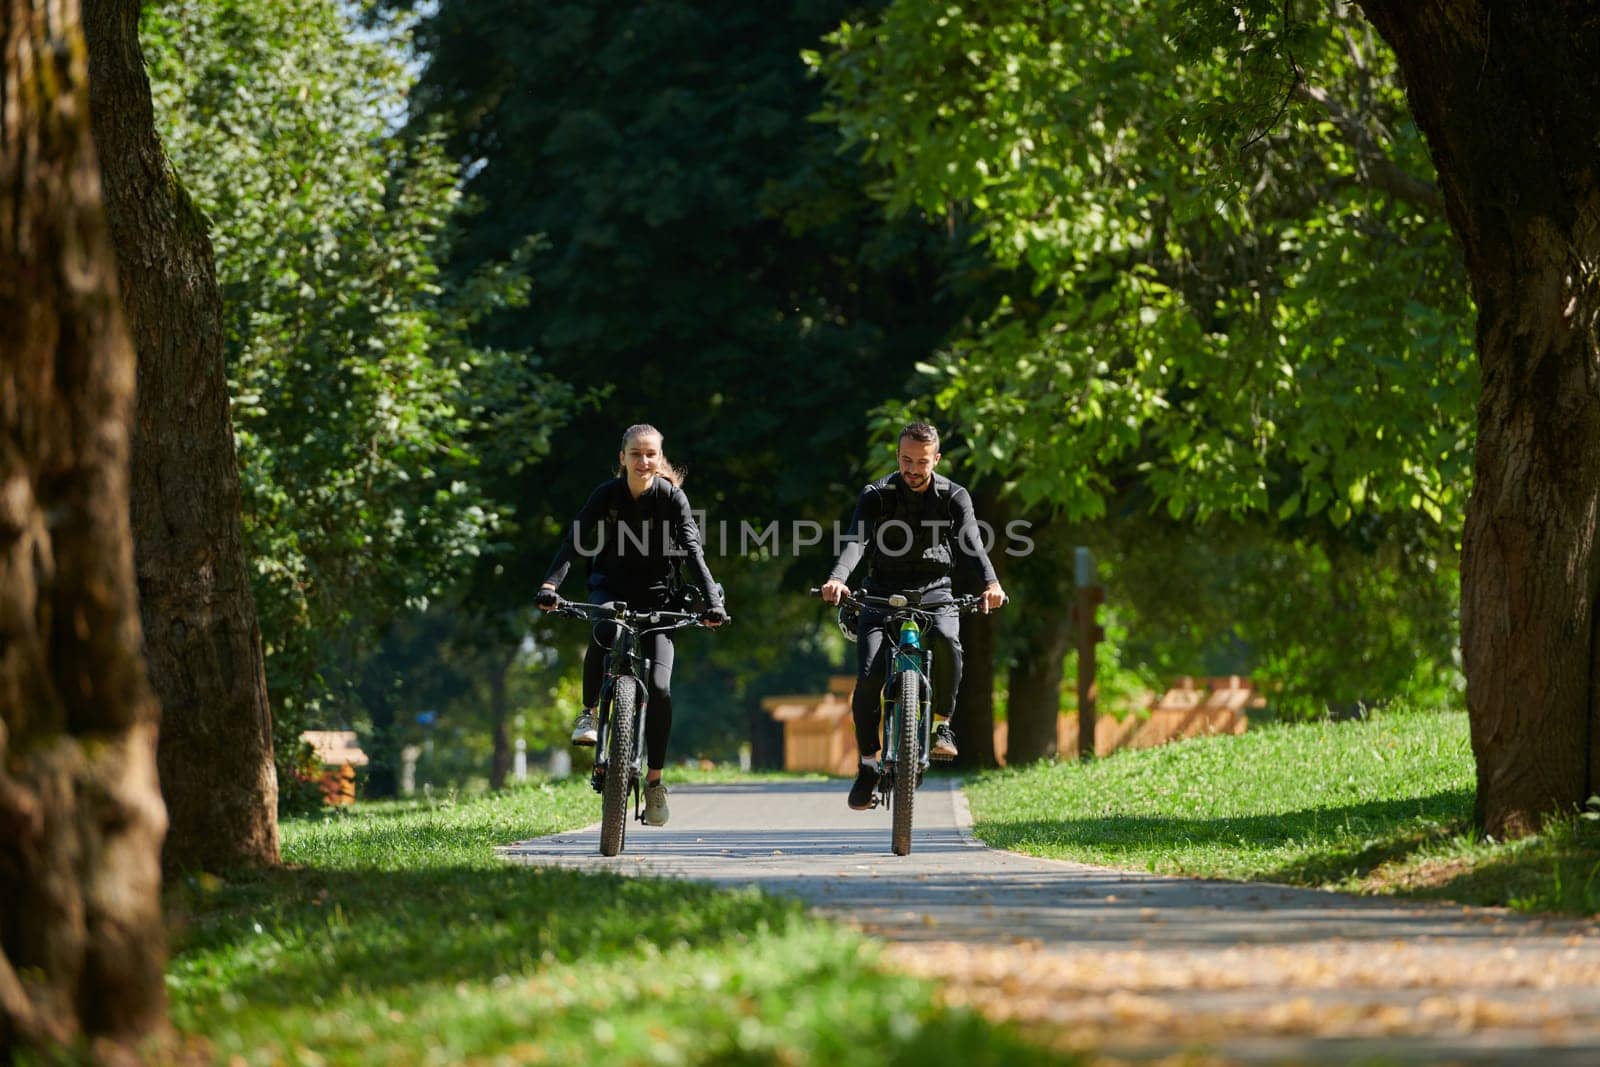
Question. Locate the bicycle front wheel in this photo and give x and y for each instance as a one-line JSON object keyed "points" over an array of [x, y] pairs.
{"points": [[619, 767], [907, 761]]}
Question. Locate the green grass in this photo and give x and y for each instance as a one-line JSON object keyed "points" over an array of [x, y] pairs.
{"points": [[1383, 805], [396, 936]]}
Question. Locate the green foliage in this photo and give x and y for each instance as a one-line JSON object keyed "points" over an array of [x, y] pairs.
{"points": [[299, 776], [1245, 305], [443, 661], [714, 267], [1236, 352], [361, 406], [395, 933], [1320, 623]]}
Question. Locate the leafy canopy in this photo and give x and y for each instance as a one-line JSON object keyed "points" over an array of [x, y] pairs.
{"points": [[1229, 343], [360, 402]]}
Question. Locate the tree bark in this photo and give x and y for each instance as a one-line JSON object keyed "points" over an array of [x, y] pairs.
{"points": [[1506, 93], [81, 819], [500, 760], [201, 636], [1034, 703], [974, 717], [383, 742], [766, 740]]}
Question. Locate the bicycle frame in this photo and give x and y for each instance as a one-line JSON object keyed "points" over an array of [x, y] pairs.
{"points": [[636, 668], [910, 654], [623, 661], [908, 680], [623, 667], [905, 621]]}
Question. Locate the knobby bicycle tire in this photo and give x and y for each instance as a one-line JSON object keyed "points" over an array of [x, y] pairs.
{"points": [[619, 768], [907, 763]]}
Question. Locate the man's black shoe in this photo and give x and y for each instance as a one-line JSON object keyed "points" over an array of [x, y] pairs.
{"points": [[865, 785], [944, 742]]}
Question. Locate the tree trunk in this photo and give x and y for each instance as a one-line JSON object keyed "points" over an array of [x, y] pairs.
{"points": [[81, 819], [500, 761], [974, 717], [201, 635], [383, 743], [1034, 703], [766, 740], [1044, 581], [1506, 94]]}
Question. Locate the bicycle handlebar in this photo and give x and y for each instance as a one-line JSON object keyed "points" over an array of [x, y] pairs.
{"points": [[627, 616], [901, 602]]}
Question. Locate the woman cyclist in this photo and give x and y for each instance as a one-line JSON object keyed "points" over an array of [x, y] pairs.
{"points": [[635, 530]]}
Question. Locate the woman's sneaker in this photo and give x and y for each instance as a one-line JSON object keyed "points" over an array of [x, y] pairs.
{"points": [[865, 786], [655, 804], [944, 742], [584, 731]]}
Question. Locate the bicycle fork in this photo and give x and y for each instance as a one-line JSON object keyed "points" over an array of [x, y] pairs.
{"points": [[597, 776], [911, 656]]}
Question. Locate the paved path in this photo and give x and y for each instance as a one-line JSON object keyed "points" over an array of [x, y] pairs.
{"points": [[1133, 963]]}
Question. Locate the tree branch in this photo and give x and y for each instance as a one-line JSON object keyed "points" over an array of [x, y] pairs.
{"points": [[1381, 171]]}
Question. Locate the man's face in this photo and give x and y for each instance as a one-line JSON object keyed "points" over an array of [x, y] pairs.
{"points": [[917, 460]]}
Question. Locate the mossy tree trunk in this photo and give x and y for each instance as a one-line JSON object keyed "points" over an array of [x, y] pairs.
{"points": [[202, 640], [81, 818], [1506, 94]]}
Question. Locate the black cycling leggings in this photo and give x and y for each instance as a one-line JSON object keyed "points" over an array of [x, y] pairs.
{"points": [[658, 649]]}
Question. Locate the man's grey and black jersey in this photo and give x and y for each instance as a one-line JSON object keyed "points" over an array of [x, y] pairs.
{"points": [[913, 541]]}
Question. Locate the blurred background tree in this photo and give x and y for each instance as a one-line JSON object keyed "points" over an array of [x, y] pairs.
{"points": [[1213, 326], [463, 245], [360, 400]]}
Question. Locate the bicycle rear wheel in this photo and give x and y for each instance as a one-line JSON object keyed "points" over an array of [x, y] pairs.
{"points": [[619, 768], [907, 763]]}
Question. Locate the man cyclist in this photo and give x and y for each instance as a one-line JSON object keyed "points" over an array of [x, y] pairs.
{"points": [[913, 527]]}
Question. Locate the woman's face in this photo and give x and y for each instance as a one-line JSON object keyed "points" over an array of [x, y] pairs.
{"points": [[642, 457]]}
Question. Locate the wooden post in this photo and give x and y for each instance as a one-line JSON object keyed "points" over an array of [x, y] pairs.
{"points": [[1090, 594]]}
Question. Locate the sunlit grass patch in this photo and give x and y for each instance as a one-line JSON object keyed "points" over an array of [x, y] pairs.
{"points": [[395, 935], [1381, 805]]}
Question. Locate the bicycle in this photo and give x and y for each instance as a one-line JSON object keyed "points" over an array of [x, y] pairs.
{"points": [[624, 697], [907, 738]]}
